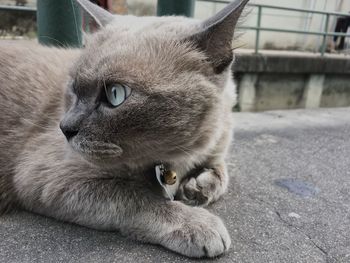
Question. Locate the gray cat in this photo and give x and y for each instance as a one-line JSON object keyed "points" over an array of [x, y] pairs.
{"points": [[88, 135]]}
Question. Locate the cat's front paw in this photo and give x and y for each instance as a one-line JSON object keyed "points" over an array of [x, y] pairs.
{"points": [[204, 189], [201, 235]]}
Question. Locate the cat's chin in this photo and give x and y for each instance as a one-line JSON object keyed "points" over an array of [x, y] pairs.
{"points": [[95, 152], [101, 162]]}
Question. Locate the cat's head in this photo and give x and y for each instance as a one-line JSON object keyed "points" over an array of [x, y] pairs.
{"points": [[149, 89]]}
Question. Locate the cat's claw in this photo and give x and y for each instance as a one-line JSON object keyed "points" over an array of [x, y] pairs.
{"points": [[202, 190], [203, 235]]}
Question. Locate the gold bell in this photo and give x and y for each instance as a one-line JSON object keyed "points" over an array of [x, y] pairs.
{"points": [[170, 177]]}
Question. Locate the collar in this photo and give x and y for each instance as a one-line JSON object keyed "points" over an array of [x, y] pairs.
{"points": [[165, 177]]}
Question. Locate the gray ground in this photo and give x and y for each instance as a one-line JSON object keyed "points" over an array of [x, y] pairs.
{"points": [[289, 201]]}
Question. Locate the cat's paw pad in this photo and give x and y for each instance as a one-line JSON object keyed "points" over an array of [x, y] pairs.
{"points": [[202, 190], [202, 236]]}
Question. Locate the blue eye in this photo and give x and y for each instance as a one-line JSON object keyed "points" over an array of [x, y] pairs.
{"points": [[117, 93]]}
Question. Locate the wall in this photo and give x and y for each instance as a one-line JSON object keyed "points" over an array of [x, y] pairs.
{"points": [[280, 81]]}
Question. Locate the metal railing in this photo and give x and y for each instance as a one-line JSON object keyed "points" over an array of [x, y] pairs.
{"points": [[17, 8], [258, 28]]}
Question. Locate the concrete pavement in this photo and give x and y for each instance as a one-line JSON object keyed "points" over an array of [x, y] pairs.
{"points": [[289, 201]]}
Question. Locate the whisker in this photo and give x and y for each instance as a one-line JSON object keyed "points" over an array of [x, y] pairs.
{"points": [[192, 152], [184, 151], [32, 123], [59, 42]]}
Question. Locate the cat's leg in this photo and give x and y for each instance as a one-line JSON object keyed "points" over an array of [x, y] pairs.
{"points": [[205, 187], [210, 181], [129, 206]]}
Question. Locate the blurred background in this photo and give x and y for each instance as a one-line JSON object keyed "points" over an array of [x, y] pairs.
{"points": [[282, 17], [291, 53]]}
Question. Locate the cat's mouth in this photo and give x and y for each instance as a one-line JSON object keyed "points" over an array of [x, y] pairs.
{"points": [[96, 149]]}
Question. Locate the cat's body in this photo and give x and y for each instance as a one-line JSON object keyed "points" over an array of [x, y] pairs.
{"points": [[104, 178], [31, 101]]}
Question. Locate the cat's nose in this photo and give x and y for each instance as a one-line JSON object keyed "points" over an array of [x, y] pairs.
{"points": [[68, 131]]}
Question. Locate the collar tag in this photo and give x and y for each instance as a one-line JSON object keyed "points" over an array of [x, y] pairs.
{"points": [[159, 173]]}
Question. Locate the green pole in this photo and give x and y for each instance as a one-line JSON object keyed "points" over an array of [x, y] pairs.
{"points": [[175, 7], [258, 25], [324, 40], [59, 23]]}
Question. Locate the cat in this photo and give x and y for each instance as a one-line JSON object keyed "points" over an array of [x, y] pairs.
{"points": [[83, 131]]}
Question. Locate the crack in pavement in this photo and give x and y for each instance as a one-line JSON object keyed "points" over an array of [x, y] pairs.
{"points": [[324, 252], [318, 247]]}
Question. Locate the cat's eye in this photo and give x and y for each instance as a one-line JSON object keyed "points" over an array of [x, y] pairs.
{"points": [[117, 93]]}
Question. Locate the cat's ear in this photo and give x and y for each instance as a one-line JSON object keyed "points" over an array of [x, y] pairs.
{"points": [[100, 15], [215, 35]]}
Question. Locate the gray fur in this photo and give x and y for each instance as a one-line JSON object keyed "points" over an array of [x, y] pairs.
{"points": [[179, 113]]}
